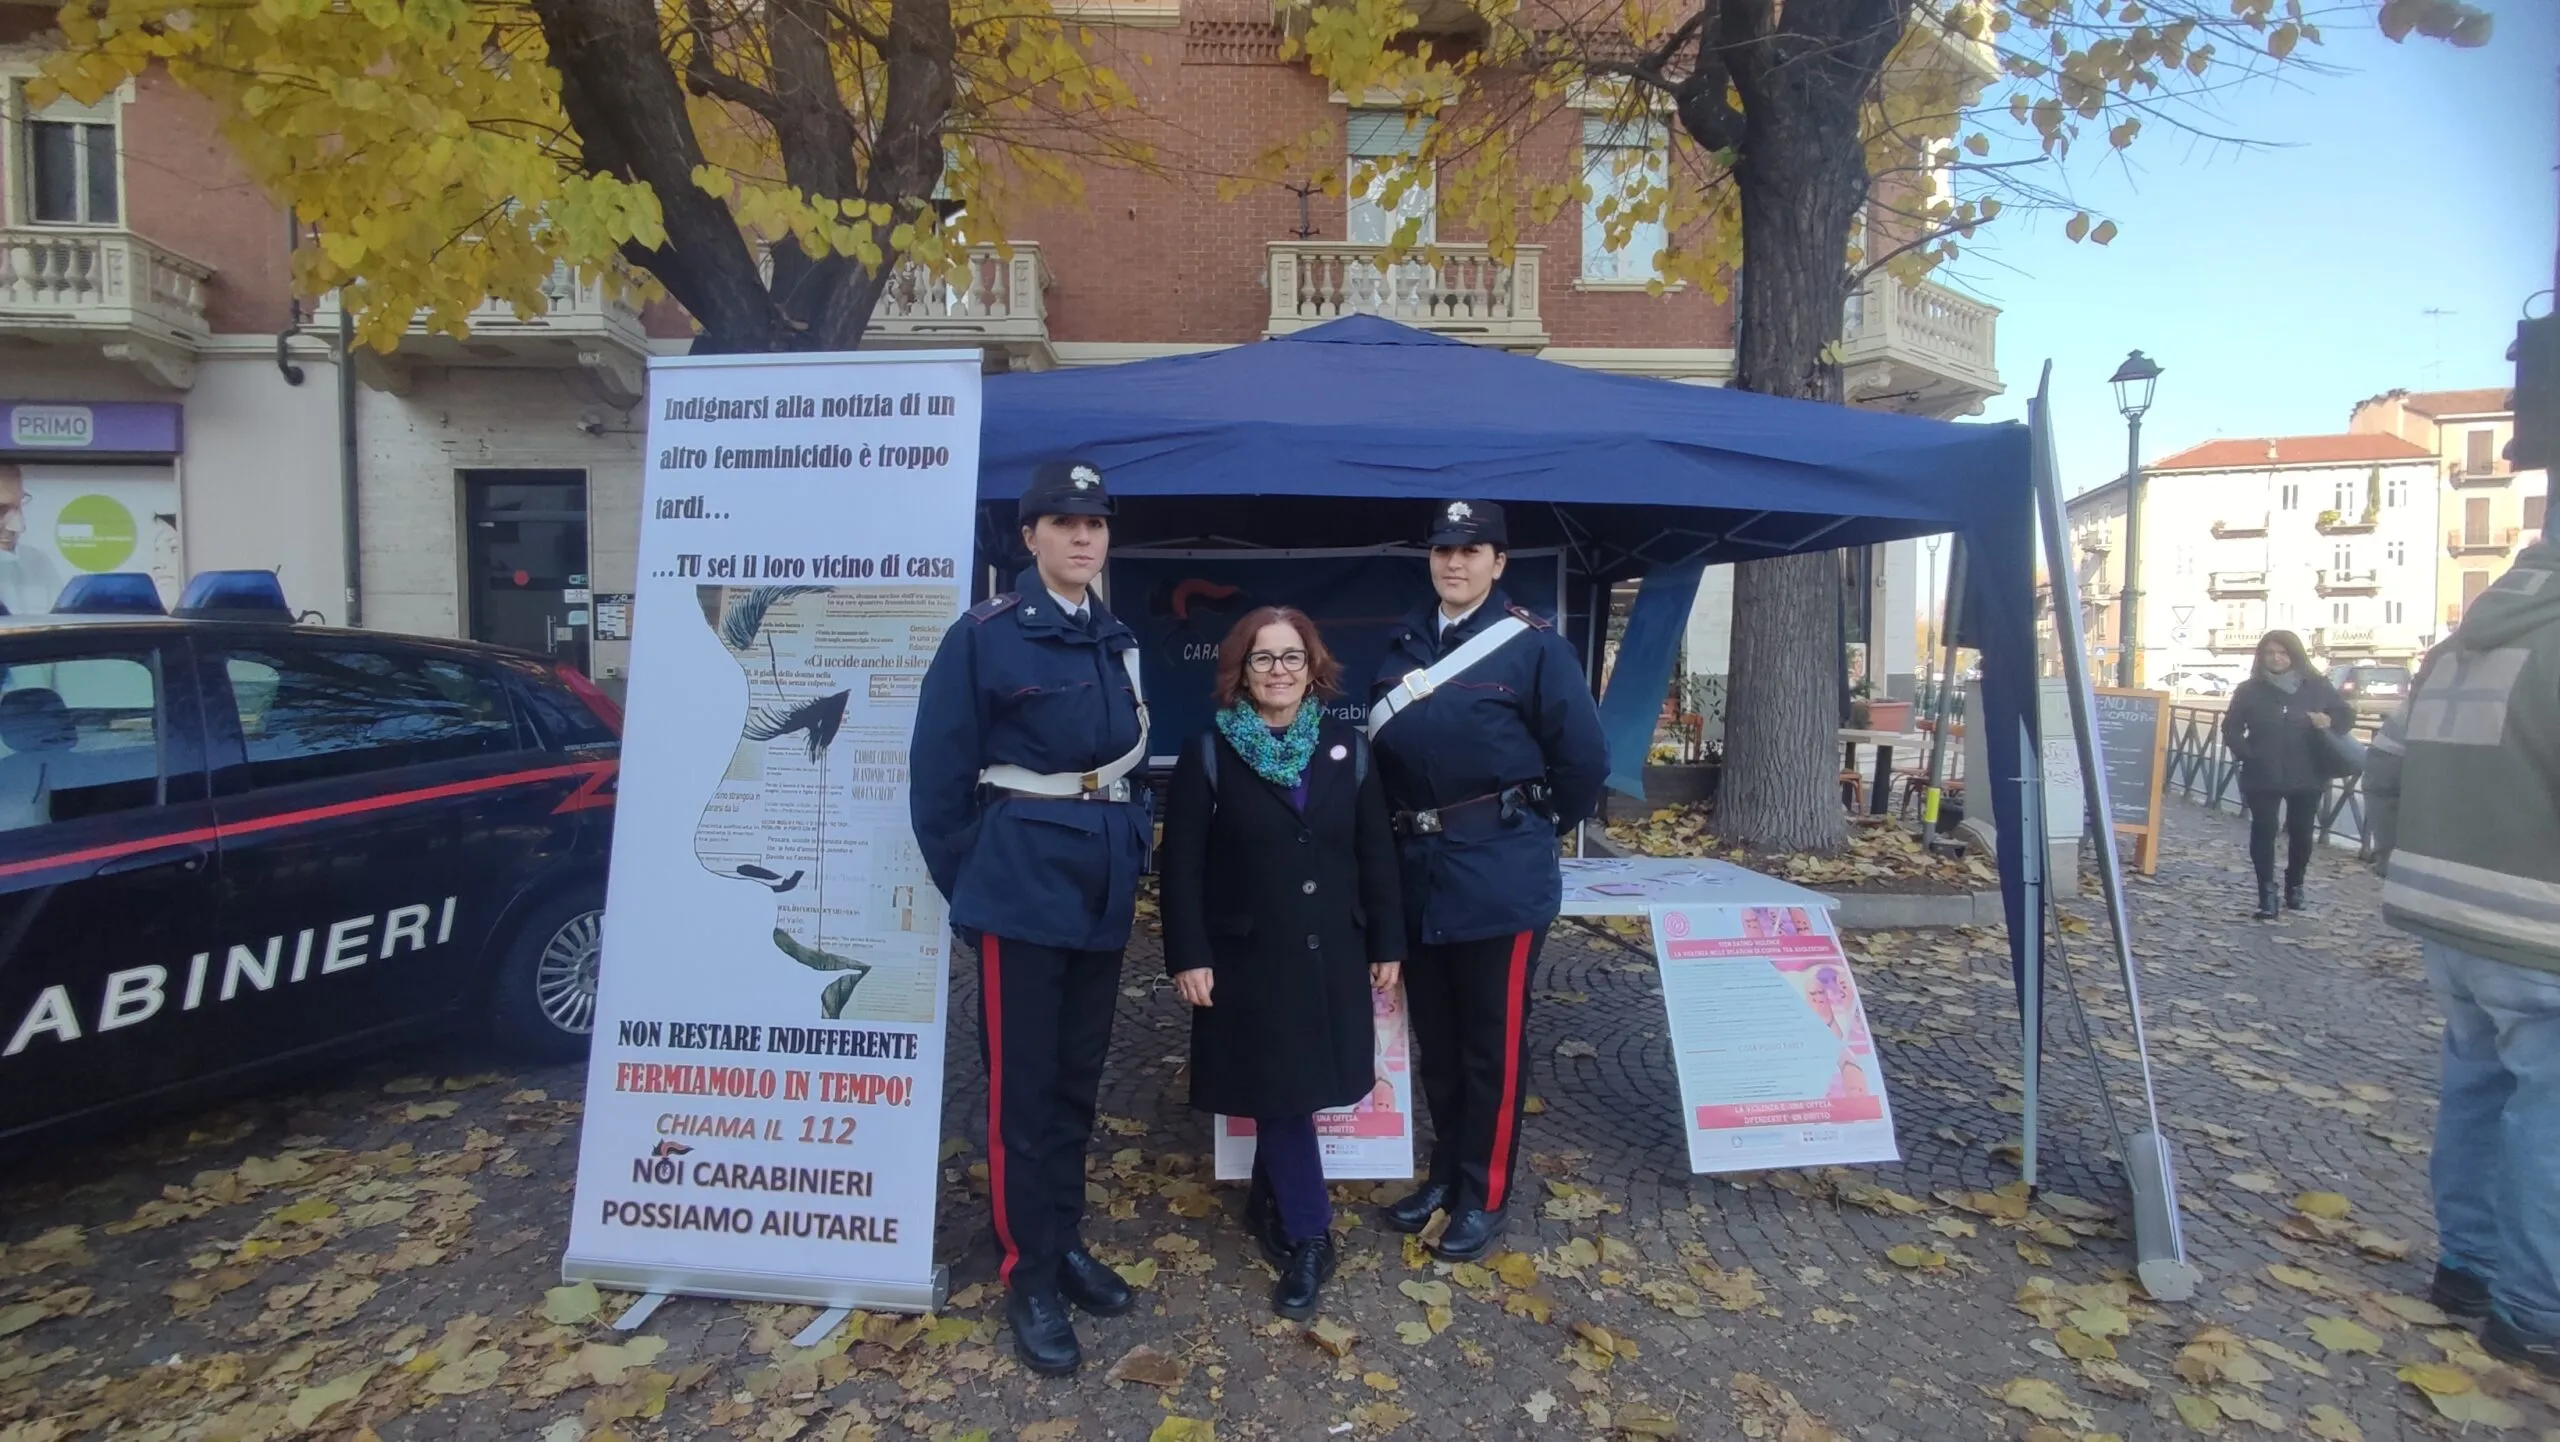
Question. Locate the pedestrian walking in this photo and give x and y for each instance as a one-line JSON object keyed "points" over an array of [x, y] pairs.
{"points": [[2463, 791], [1028, 725], [1489, 746], [2273, 727], [1281, 915]]}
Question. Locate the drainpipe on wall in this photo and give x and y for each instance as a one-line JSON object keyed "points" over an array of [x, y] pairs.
{"points": [[353, 536], [284, 338]]}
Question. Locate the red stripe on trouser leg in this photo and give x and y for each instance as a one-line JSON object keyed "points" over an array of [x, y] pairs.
{"points": [[991, 996], [1497, 1179]]}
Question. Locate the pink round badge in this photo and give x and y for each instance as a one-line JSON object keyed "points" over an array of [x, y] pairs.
{"points": [[1340, 751]]}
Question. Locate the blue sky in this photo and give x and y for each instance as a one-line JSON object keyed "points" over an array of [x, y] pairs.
{"points": [[2280, 284]]}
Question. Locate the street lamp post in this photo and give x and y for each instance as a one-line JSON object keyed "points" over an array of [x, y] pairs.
{"points": [[1929, 646], [2133, 382]]}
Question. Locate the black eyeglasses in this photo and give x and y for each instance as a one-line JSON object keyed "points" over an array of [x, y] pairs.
{"points": [[1264, 663]]}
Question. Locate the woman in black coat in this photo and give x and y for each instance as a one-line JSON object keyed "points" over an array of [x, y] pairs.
{"points": [[2273, 728], [1281, 914]]}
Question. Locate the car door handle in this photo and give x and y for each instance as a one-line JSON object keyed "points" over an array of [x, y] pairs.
{"points": [[185, 858]]}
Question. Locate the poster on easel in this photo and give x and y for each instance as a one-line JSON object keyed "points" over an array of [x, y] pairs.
{"points": [[1769, 1037], [764, 1091], [1370, 1140]]}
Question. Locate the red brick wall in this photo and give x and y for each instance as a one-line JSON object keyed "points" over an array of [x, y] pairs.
{"points": [[184, 190]]}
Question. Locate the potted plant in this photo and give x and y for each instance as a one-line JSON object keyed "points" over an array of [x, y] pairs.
{"points": [[1869, 712], [1689, 763]]}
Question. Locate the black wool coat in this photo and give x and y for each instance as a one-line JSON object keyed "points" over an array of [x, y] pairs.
{"points": [[2271, 734], [1288, 911]]}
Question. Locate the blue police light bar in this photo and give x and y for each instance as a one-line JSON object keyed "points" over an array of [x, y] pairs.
{"points": [[112, 593], [235, 596]]}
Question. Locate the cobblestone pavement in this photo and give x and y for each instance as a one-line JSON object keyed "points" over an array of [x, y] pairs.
{"points": [[368, 1256]]}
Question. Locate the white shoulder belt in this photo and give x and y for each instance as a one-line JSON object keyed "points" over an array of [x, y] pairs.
{"points": [[1418, 684], [1079, 783]]}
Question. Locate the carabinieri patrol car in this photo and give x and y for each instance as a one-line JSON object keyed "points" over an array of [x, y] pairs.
{"points": [[232, 846]]}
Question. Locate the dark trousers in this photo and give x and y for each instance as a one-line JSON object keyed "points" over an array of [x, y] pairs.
{"points": [[1289, 1162], [1044, 1023], [1470, 1004], [2301, 814]]}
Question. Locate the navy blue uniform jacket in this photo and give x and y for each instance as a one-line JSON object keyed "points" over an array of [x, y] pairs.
{"points": [[1015, 683], [1522, 714]]}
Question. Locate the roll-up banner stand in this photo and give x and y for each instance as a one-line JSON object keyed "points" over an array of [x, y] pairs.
{"points": [[764, 1096]]}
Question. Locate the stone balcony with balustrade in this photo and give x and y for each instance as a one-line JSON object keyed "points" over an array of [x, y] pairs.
{"points": [[130, 299], [996, 300], [586, 323], [1461, 291], [1919, 348]]}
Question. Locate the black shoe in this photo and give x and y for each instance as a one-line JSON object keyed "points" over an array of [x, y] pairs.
{"points": [[1472, 1233], [1262, 1220], [2508, 1342], [2293, 896], [1413, 1212], [1044, 1335], [2267, 902], [1085, 1281], [2457, 1293], [1311, 1265]]}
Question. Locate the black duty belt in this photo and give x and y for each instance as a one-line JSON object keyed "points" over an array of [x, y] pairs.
{"points": [[1121, 790], [1504, 808]]}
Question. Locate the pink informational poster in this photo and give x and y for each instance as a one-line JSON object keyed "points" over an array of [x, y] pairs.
{"points": [[1777, 1066], [1370, 1140]]}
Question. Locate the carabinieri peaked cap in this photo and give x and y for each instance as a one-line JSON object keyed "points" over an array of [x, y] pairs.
{"points": [[1064, 488], [1463, 523]]}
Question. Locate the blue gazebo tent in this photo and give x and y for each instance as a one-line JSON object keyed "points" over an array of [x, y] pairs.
{"points": [[1343, 434]]}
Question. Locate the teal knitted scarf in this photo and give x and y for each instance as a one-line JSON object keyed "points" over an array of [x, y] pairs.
{"points": [[1279, 759]]}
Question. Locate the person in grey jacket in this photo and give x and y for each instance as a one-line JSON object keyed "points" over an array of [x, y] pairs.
{"points": [[2273, 728], [2463, 789]]}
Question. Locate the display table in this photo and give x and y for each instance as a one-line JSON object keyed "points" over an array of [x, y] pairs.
{"points": [[1634, 885]]}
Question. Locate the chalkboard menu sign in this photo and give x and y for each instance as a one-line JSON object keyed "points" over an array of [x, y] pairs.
{"points": [[2133, 746]]}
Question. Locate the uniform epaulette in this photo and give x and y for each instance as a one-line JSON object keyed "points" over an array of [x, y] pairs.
{"points": [[994, 606], [1534, 621]]}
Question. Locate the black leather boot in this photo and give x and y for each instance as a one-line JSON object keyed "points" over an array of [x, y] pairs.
{"points": [[2267, 902], [2293, 896], [1472, 1233], [1262, 1220], [1044, 1335], [1311, 1265], [1412, 1212], [1085, 1281]]}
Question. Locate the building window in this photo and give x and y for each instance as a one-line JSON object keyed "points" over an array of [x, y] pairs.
{"points": [[68, 152], [2479, 452], [2398, 551], [2395, 492], [2475, 521], [2342, 557], [2392, 613], [1627, 166], [2342, 496], [2289, 496], [2338, 612], [2535, 507], [2473, 583], [1382, 144]]}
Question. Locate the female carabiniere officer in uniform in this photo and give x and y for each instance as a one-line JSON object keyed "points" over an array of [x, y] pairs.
{"points": [[1027, 729], [1489, 745]]}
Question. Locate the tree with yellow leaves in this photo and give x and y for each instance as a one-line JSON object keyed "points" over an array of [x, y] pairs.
{"points": [[1798, 118], [768, 163]]}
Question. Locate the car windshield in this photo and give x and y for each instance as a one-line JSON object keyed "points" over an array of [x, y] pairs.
{"points": [[2394, 675]]}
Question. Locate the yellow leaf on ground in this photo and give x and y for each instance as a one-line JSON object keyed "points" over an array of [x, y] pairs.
{"points": [[1334, 1337], [2102, 1321], [1429, 1294], [2436, 1379], [1917, 1258], [2338, 1334], [570, 1306], [2411, 1309], [1184, 1429], [1516, 1269], [2259, 1182], [431, 1111], [1378, 1381], [2327, 1206], [2303, 1279], [2480, 1407], [308, 1403], [1140, 1273], [1413, 1334], [2329, 1424], [474, 1373], [2079, 1346], [2199, 1413], [2040, 1398]]}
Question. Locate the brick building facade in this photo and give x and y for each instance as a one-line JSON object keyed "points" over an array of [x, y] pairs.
{"points": [[144, 284]]}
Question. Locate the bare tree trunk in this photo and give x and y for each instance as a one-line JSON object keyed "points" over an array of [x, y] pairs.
{"points": [[1802, 73]]}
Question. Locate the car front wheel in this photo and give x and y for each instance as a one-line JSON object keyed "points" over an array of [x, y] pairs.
{"points": [[546, 985]]}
